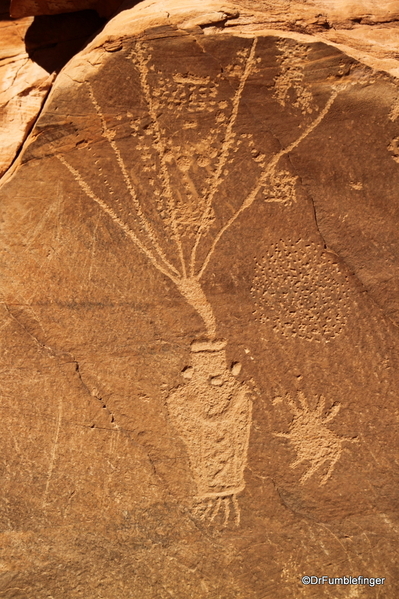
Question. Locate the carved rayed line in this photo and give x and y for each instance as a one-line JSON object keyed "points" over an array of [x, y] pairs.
{"points": [[191, 215], [189, 288], [108, 210], [108, 135], [141, 63], [273, 163], [187, 213], [53, 453], [226, 147], [269, 171]]}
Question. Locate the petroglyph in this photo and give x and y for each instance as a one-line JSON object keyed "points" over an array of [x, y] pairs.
{"points": [[267, 174], [167, 208], [141, 59], [394, 114], [301, 292], [110, 135], [292, 60], [53, 453], [212, 414], [312, 441], [282, 188], [394, 149]]}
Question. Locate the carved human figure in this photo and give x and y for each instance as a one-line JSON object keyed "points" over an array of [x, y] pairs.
{"points": [[212, 414]]}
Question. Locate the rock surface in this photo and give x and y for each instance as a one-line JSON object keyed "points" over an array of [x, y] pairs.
{"points": [[367, 31], [367, 27], [200, 319], [32, 51], [23, 88]]}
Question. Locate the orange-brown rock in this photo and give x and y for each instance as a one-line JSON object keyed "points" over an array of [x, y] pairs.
{"points": [[23, 88], [31, 52], [365, 30], [199, 372]]}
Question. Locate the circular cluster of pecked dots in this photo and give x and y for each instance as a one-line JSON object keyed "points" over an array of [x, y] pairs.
{"points": [[301, 292]]}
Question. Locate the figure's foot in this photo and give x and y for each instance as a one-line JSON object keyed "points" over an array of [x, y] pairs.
{"points": [[224, 508]]}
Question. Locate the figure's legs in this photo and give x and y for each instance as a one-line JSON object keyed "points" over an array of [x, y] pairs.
{"points": [[237, 510], [217, 508], [226, 503]]}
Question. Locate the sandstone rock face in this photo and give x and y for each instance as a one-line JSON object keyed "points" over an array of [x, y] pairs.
{"points": [[31, 52], [23, 88], [200, 320], [365, 30]]}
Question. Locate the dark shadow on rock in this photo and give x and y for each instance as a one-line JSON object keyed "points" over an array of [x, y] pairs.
{"points": [[52, 40], [127, 4], [29, 8], [5, 10]]}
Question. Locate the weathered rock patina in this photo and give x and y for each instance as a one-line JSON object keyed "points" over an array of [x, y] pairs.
{"points": [[32, 51], [200, 320], [23, 88]]}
